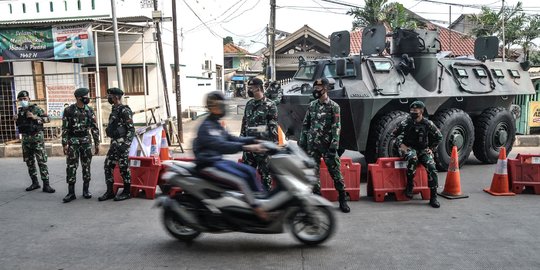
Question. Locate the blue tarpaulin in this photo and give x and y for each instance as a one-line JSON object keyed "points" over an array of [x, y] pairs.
{"points": [[239, 78]]}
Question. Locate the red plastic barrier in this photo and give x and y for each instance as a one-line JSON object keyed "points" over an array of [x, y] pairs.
{"points": [[524, 171], [351, 177], [144, 176], [389, 175]]}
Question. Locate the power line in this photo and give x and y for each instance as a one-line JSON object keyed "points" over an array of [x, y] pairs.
{"points": [[196, 15], [342, 3]]}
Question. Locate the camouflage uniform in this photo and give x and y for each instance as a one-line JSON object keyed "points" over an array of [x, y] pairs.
{"points": [[121, 131], [274, 92], [261, 112], [420, 137], [320, 138], [33, 145], [76, 122]]}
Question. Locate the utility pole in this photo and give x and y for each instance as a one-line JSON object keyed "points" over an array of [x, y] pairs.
{"points": [[449, 24], [272, 33], [177, 74], [503, 18], [162, 61], [117, 54]]}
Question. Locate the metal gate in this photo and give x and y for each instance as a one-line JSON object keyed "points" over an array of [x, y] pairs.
{"points": [[52, 92]]}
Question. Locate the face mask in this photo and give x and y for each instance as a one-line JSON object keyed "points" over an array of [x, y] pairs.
{"points": [[250, 94], [223, 108], [110, 100], [24, 103], [317, 94], [415, 115], [85, 100]]}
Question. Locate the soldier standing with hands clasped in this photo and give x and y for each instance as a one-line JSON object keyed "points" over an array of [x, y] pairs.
{"points": [[121, 131], [320, 138], [417, 138], [79, 128], [30, 119], [260, 111]]}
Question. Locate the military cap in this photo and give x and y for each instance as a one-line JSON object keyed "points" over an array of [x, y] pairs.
{"points": [[115, 91], [321, 81], [80, 92], [255, 81], [418, 105], [23, 93]]}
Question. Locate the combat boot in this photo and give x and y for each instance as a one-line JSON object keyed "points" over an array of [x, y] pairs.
{"points": [[109, 194], [86, 194], [47, 188], [71, 194], [126, 193], [409, 189], [34, 185], [343, 203], [433, 200]]}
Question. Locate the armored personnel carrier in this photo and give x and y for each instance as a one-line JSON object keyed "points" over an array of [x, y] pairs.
{"points": [[470, 100]]}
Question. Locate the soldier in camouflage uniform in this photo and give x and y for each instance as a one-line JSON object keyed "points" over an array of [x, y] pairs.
{"points": [[121, 131], [259, 112], [79, 128], [417, 138], [320, 137], [274, 91], [30, 119]]}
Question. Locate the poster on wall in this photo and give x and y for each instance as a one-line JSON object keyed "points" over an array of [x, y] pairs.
{"points": [[59, 97], [73, 41], [26, 43], [59, 42], [534, 114]]}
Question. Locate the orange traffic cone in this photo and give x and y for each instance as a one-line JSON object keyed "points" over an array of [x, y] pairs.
{"points": [[452, 186], [280, 135], [153, 147], [499, 184], [164, 148]]}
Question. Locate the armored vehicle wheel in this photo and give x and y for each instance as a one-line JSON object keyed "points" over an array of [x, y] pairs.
{"points": [[494, 128], [381, 142], [457, 129]]}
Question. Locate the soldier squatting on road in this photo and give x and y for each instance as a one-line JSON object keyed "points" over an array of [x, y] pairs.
{"points": [[121, 131], [259, 111], [30, 119], [320, 138], [417, 138], [77, 120]]}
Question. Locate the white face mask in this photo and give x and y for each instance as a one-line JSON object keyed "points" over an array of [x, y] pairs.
{"points": [[24, 103]]}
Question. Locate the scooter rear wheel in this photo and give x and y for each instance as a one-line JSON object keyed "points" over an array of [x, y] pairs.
{"points": [[177, 229], [313, 228]]}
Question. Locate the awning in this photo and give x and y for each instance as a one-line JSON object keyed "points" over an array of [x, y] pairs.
{"points": [[239, 78]]}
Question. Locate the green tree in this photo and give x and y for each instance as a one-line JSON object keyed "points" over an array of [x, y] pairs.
{"points": [[227, 40], [393, 15], [530, 32], [534, 58]]}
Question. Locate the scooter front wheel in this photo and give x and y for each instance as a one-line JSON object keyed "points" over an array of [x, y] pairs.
{"points": [[175, 226], [312, 228]]}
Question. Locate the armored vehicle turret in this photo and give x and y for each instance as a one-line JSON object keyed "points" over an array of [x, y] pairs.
{"points": [[470, 100]]}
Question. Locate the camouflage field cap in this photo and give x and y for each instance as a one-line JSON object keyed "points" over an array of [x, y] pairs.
{"points": [[23, 93], [115, 91], [321, 81], [417, 105], [81, 92]]}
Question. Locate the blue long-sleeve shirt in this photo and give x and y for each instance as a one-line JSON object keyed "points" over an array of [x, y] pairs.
{"points": [[213, 141]]}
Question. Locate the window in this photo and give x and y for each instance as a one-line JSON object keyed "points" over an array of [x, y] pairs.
{"points": [[24, 8], [330, 70], [10, 9], [65, 5], [51, 6], [133, 80], [37, 7], [228, 62], [79, 4], [306, 72], [93, 4]]}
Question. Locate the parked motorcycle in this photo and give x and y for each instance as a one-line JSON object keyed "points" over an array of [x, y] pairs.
{"points": [[207, 206]]}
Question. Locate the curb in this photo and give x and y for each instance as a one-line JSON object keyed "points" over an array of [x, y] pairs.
{"points": [[527, 140]]}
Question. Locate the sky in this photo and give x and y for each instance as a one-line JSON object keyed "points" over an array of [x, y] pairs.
{"points": [[245, 20]]}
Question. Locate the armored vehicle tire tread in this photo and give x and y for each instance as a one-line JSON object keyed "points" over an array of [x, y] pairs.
{"points": [[381, 134], [456, 126], [488, 126]]}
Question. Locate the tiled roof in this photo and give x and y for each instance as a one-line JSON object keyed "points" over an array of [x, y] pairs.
{"points": [[231, 48], [461, 44]]}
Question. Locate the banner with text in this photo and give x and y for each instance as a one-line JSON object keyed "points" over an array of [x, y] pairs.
{"points": [[59, 97], [57, 42], [534, 114]]}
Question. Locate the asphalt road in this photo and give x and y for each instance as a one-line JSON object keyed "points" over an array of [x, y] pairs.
{"points": [[38, 231]]}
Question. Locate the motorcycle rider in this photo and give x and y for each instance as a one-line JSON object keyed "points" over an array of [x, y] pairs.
{"points": [[213, 141]]}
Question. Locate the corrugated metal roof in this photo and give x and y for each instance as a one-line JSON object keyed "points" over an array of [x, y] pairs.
{"points": [[52, 20]]}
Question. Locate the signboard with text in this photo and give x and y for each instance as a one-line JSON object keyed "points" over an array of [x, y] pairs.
{"points": [[59, 97], [534, 114]]}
